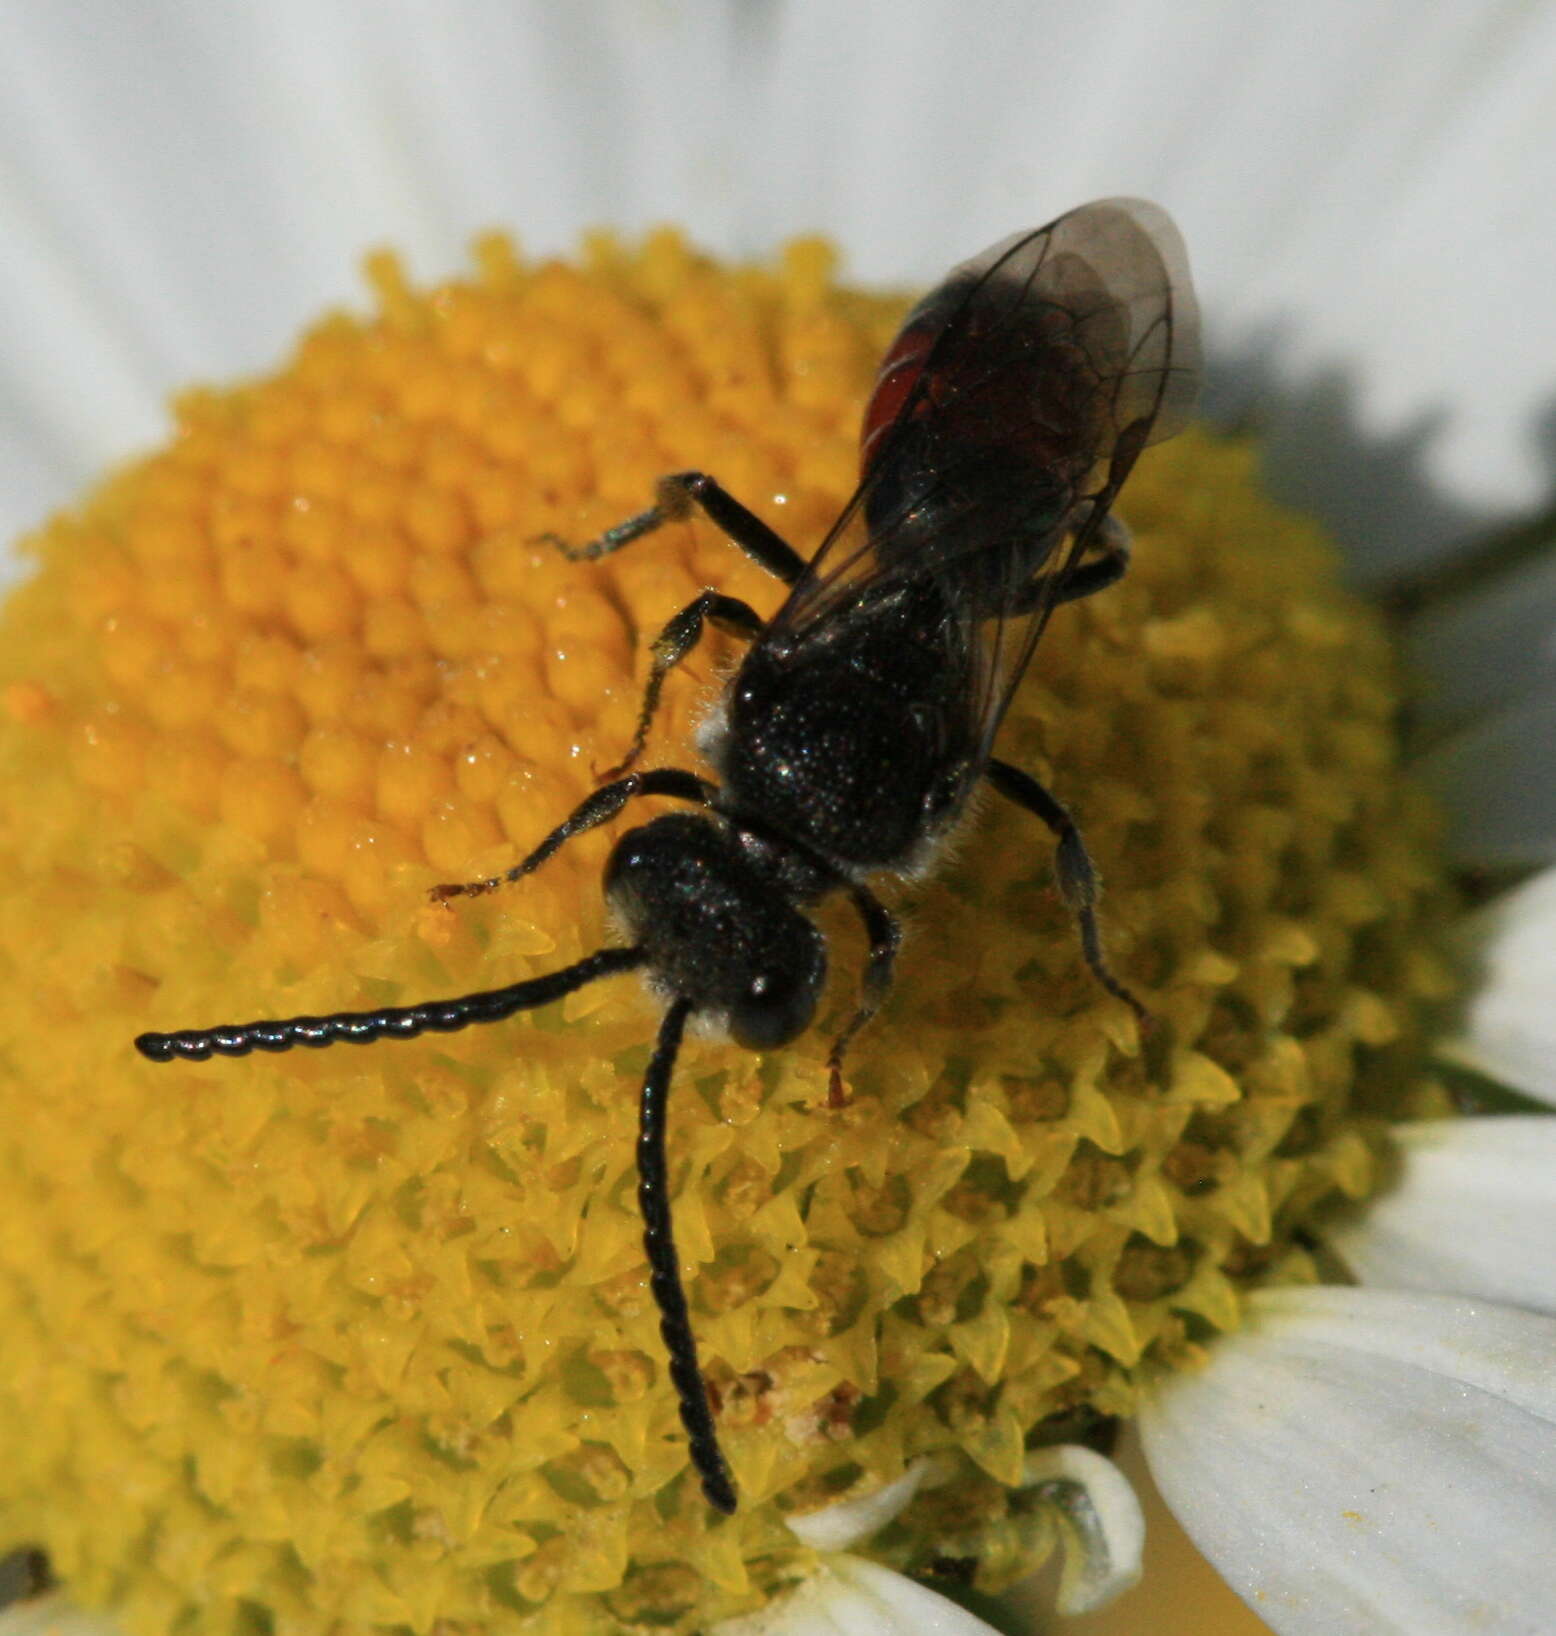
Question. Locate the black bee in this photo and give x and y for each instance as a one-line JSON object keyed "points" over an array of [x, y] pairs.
{"points": [[1006, 416]]}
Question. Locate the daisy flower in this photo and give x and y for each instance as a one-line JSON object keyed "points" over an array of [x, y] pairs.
{"points": [[361, 1340]]}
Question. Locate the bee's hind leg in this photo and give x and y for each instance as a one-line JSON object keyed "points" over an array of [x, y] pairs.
{"points": [[1070, 584], [1077, 877]]}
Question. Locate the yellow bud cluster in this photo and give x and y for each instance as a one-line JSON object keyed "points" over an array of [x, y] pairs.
{"points": [[361, 1339]]}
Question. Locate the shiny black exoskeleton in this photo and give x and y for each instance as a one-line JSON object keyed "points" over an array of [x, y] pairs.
{"points": [[1006, 416], [857, 740]]}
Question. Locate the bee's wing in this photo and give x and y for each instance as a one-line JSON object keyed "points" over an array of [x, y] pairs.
{"points": [[1022, 386], [1145, 353]]}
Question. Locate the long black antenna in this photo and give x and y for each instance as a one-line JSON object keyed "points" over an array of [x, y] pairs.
{"points": [[664, 1267], [399, 1022]]}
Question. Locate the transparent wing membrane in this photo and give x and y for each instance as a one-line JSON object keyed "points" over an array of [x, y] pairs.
{"points": [[1005, 418]]}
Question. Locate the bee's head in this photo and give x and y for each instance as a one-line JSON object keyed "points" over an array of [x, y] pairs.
{"points": [[716, 931]]}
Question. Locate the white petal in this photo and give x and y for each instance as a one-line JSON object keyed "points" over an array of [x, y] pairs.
{"points": [[838, 1526], [54, 1616], [1102, 1519], [1472, 1213], [1509, 1027], [848, 1596], [1371, 1461]]}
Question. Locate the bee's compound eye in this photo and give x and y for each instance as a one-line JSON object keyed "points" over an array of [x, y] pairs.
{"points": [[775, 1007], [778, 997]]}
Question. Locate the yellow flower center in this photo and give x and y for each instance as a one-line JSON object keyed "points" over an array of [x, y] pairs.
{"points": [[362, 1338]]}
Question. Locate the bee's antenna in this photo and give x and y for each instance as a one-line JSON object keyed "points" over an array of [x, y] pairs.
{"points": [[664, 1267], [399, 1022]]}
